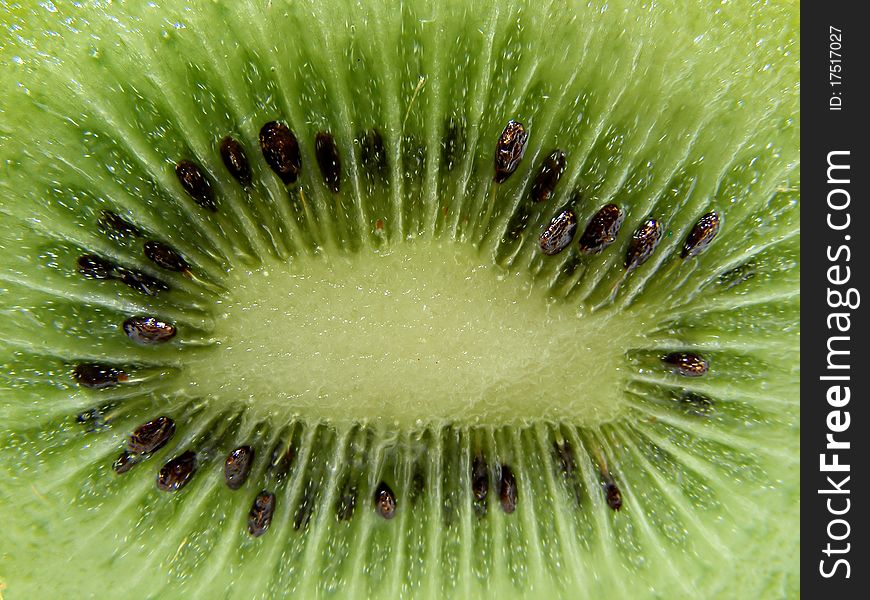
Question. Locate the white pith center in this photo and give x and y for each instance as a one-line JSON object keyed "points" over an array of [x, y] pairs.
{"points": [[421, 333]]}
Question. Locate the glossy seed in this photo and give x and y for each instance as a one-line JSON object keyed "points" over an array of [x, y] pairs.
{"points": [[479, 483], [612, 494], [453, 144], [385, 501], [643, 243], [195, 183], [151, 436], [701, 235], [148, 330], [328, 160], [373, 154], [261, 512], [97, 376], [509, 150], [124, 462], [548, 176], [235, 160], [507, 486], [602, 229], [687, 364], [559, 233], [479, 477], [165, 257], [141, 282], [281, 151], [117, 227], [237, 466], [175, 474], [92, 266], [346, 501]]}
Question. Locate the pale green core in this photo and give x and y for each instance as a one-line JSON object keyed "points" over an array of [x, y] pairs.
{"points": [[422, 333]]}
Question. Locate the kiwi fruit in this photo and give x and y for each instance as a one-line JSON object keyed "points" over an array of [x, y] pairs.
{"points": [[424, 299]]}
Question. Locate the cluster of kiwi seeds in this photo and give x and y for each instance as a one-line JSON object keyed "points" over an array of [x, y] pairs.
{"points": [[280, 150], [546, 493]]}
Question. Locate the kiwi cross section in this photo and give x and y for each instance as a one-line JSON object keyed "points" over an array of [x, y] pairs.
{"points": [[513, 311]]}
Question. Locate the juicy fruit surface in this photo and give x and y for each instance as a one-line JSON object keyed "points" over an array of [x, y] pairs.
{"points": [[308, 319]]}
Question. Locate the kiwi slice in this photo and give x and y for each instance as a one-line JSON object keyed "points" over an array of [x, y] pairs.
{"points": [[381, 299]]}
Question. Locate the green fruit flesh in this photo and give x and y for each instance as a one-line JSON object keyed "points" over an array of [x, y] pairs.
{"points": [[407, 324]]}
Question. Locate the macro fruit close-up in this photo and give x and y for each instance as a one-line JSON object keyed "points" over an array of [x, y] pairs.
{"points": [[378, 299]]}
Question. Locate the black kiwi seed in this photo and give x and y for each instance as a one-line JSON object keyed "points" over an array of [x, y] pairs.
{"points": [[509, 150], [507, 486], [92, 266], [687, 364], [385, 501], [148, 330], [643, 243], [261, 513], [281, 151], [151, 436], [701, 235], [124, 462], [237, 466], [548, 176], [602, 229], [346, 501], [235, 160], [612, 494], [328, 160], [373, 154], [453, 144], [116, 226], [97, 376], [141, 282], [165, 256], [559, 233], [479, 483], [175, 474], [195, 183]]}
